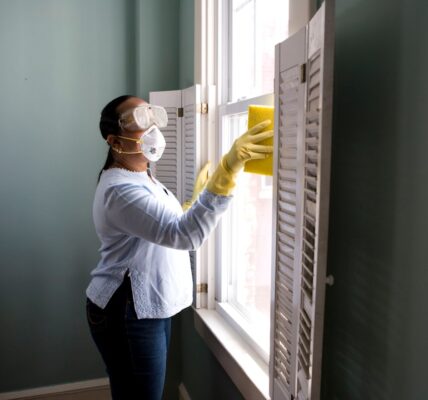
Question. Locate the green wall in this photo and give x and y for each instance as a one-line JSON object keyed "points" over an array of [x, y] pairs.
{"points": [[376, 343], [158, 32], [62, 61], [201, 373], [186, 44]]}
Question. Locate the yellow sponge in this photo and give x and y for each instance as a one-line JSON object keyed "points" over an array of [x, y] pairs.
{"points": [[258, 114]]}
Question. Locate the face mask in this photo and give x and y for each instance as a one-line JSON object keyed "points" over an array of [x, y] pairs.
{"points": [[152, 144], [143, 117]]}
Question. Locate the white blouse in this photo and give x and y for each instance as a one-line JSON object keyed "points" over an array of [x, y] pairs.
{"points": [[143, 230]]}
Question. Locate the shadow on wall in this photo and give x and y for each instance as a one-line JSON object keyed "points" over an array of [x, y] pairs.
{"points": [[374, 247]]}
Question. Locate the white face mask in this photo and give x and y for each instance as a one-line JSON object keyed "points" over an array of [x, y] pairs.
{"points": [[152, 144]]}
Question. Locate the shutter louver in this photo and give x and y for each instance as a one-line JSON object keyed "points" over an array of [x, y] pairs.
{"points": [[289, 99], [302, 174], [311, 150], [168, 169]]}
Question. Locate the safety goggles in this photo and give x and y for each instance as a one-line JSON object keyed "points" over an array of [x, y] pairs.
{"points": [[143, 117]]}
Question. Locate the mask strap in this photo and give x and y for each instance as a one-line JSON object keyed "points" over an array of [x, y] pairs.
{"points": [[128, 138], [139, 141], [126, 152]]}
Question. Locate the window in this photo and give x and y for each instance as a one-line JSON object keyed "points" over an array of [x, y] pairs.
{"points": [[303, 92], [250, 32], [254, 27]]}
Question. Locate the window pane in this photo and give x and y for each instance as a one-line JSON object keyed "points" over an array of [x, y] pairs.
{"points": [[253, 214], [248, 230], [256, 26]]}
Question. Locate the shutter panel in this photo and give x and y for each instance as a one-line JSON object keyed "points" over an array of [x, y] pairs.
{"points": [[317, 154], [191, 164], [168, 169], [303, 96], [289, 105]]}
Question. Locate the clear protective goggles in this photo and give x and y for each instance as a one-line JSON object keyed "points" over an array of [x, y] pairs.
{"points": [[143, 117]]}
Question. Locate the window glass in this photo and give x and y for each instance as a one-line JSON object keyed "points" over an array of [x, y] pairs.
{"points": [[255, 27], [248, 238]]}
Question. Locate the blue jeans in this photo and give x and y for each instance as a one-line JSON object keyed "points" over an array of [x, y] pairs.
{"points": [[134, 350]]}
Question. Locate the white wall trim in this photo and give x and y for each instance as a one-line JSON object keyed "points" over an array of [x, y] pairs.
{"points": [[75, 387], [205, 74]]}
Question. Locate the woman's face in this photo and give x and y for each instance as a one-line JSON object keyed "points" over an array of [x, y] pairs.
{"points": [[123, 144]]}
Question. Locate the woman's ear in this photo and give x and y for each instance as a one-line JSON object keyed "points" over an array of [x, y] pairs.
{"points": [[114, 142]]}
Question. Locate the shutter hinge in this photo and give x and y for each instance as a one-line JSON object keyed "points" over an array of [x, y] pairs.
{"points": [[202, 288], [202, 108], [180, 112], [303, 73]]}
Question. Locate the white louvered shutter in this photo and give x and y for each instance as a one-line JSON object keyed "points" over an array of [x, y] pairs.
{"points": [[191, 164], [303, 104], [181, 161], [168, 169]]}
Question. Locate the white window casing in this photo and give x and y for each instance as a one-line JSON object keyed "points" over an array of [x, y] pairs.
{"points": [[191, 161], [303, 113]]}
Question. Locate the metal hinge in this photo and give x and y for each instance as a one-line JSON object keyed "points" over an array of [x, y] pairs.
{"points": [[303, 73], [202, 288], [180, 112], [202, 108]]}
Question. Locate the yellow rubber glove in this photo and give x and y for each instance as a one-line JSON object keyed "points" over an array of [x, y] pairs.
{"points": [[200, 184], [243, 149]]}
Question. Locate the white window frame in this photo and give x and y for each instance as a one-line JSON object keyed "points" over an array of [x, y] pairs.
{"points": [[227, 310], [214, 323]]}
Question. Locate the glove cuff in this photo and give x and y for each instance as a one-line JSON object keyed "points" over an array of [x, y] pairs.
{"points": [[222, 181]]}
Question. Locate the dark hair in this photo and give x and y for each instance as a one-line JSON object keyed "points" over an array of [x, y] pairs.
{"points": [[109, 125]]}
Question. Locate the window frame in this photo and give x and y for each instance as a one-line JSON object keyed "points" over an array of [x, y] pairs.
{"points": [[210, 60], [226, 107], [227, 310]]}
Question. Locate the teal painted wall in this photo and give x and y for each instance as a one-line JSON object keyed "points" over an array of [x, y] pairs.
{"points": [[376, 343], [203, 376], [186, 43], [158, 43], [62, 61]]}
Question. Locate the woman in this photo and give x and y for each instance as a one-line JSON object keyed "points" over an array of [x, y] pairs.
{"points": [[144, 276]]}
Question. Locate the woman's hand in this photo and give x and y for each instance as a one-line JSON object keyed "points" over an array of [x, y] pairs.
{"points": [[200, 183], [245, 148]]}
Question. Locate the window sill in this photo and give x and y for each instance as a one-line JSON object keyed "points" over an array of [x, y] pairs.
{"points": [[248, 371]]}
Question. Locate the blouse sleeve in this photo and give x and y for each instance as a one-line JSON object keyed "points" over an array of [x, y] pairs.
{"points": [[134, 211]]}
